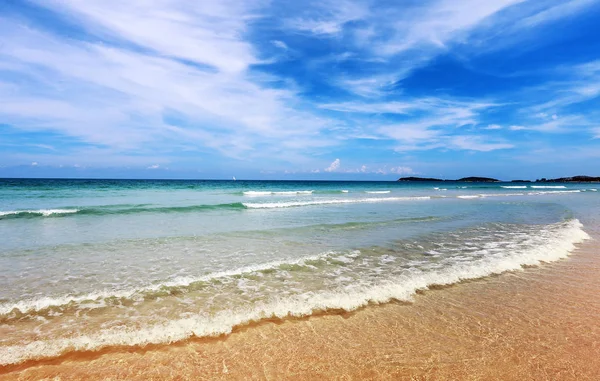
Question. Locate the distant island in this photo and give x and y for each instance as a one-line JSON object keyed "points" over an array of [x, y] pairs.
{"points": [[574, 179], [472, 179], [475, 179]]}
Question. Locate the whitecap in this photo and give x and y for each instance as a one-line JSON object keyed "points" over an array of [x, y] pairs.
{"points": [[271, 205], [277, 193], [43, 212]]}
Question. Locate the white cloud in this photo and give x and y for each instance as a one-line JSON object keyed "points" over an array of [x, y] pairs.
{"points": [[154, 166], [411, 132], [389, 107], [327, 18], [565, 124], [363, 169], [402, 170], [561, 10], [436, 25], [334, 166], [34, 164], [128, 99], [370, 86], [405, 38], [179, 75], [280, 44], [206, 32], [580, 83], [440, 106], [402, 38], [477, 143], [429, 124]]}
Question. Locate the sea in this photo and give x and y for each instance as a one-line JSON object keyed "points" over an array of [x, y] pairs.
{"points": [[90, 264]]}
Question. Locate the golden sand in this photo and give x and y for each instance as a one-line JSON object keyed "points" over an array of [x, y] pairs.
{"points": [[539, 324]]}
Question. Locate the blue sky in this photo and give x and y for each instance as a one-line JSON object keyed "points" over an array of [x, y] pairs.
{"points": [[299, 90]]}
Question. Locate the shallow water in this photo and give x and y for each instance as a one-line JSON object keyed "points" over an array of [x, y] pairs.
{"points": [[89, 264]]}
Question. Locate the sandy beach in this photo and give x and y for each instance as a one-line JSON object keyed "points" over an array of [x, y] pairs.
{"points": [[536, 324]]}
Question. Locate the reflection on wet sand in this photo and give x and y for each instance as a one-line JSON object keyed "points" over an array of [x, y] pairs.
{"points": [[538, 324]]}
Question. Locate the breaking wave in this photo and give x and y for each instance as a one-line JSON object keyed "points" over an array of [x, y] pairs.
{"points": [[530, 247], [291, 204]]}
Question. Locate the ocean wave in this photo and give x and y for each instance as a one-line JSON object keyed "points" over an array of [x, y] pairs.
{"points": [[146, 208], [514, 186], [502, 194], [378, 192], [291, 204], [555, 192], [538, 193], [548, 186], [116, 209], [34, 213], [44, 303], [179, 284], [277, 193], [330, 191], [550, 244]]}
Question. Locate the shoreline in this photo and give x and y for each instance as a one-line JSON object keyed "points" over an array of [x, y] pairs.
{"points": [[531, 324]]}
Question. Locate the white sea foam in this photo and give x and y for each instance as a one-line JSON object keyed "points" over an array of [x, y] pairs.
{"points": [[537, 193], [38, 304], [257, 193], [271, 205], [344, 191], [378, 192], [554, 192], [550, 245], [290, 204], [514, 186], [43, 212], [501, 194], [548, 186], [277, 193]]}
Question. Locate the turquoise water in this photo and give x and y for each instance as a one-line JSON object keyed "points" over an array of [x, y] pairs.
{"points": [[91, 263]]}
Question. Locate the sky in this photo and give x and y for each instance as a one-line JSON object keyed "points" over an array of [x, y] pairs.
{"points": [[364, 90]]}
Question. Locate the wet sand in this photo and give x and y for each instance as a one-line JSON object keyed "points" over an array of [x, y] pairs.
{"points": [[539, 324]]}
